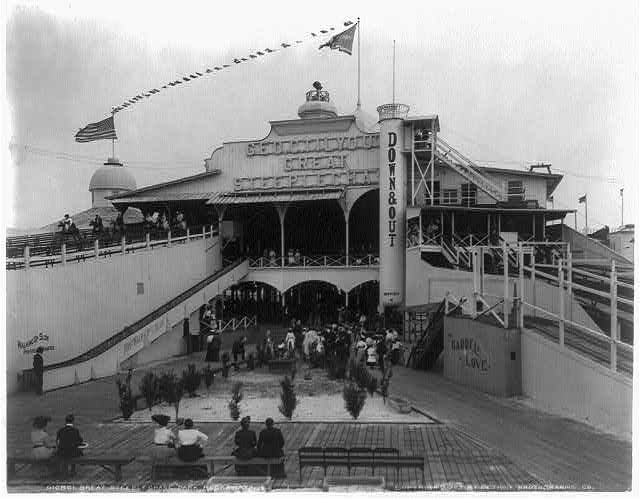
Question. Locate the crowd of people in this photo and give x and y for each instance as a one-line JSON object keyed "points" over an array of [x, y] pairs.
{"points": [[160, 221]]}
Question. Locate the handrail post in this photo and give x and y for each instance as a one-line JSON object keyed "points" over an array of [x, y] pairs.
{"points": [[168, 238], [475, 269], [96, 248], [204, 232], [188, 234], [505, 276], [27, 256], [446, 304], [569, 281], [325, 260], [533, 282], [123, 244], [614, 316], [521, 276], [148, 240], [561, 303], [63, 253]]}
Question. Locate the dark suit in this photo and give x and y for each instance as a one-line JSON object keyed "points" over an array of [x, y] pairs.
{"points": [[68, 439], [38, 371], [271, 444], [246, 442]]}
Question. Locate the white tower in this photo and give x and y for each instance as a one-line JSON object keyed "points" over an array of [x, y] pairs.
{"points": [[108, 180], [393, 186]]}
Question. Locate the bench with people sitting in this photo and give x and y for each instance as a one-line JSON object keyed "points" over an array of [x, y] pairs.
{"points": [[252, 457], [62, 454]]}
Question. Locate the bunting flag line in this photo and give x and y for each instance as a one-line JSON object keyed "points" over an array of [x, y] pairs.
{"points": [[342, 41], [97, 131]]}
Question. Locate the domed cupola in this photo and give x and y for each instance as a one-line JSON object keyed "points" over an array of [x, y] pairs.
{"points": [[318, 104], [108, 180]]}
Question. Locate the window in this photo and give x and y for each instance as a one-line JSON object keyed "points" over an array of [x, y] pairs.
{"points": [[469, 194], [515, 190], [450, 196]]}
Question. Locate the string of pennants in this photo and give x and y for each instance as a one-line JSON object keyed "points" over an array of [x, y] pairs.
{"points": [[212, 70]]}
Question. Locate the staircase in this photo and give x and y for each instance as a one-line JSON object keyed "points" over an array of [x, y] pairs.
{"points": [[430, 345], [467, 169]]}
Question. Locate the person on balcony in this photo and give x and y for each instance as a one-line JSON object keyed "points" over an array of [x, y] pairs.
{"points": [[297, 257], [38, 370], [272, 258], [97, 227]]}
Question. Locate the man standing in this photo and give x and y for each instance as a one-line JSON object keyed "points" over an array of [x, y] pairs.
{"points": [[38, 370], [68, 439]]}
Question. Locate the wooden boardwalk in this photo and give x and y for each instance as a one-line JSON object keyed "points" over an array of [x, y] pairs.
{"points": [[455, 461]]}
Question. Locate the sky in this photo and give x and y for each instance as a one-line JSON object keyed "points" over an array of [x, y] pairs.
{"points": [[512, 83]]}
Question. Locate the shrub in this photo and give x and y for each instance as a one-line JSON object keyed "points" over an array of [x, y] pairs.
{"points": [[288, 398], [225, 365], [372, 384], [191, 379], [208, 374], [172, 390], [384, 389], [150, 389], [251, 363], [354, 398], [126, 398], [234, 403]]}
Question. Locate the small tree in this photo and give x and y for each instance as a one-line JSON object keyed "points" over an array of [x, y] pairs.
{"points": [[150, 388], [173, 390], [208, 374], [234, 403], [354, 398], [191, 379], [225, 365], [126, 398], [288, 398]]}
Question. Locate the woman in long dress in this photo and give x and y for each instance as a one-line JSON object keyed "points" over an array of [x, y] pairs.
{"points": [[44, 446]]}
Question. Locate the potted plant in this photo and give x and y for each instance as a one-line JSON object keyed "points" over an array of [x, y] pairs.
{"points": [[191, 379], [288, 399], [150, 389], [126, 398]]}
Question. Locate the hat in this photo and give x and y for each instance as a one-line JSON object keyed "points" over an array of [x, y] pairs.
{"points": [[268, 422], [39, 349], [69, 418], [161, 419], [41, 421], [188, 423]]}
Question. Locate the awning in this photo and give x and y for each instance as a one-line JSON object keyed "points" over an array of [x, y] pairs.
{"points": [[275, 196], [497, 209], [165, 197]]}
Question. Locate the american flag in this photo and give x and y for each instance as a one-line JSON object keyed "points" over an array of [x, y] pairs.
{"points": [[97, 131]]}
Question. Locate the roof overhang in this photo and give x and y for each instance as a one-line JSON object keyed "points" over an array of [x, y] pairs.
{"points": [[276, 196]]}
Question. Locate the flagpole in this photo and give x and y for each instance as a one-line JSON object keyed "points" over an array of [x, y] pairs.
{"points": [[622, 208], [393, 100], [586, 220], [358, 104]]}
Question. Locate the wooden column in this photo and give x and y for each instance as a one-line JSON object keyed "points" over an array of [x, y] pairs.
{"points": [[561, 302], [614, 316], [505, 276]]}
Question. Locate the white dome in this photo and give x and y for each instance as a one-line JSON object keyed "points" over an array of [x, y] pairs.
{"points": [[112, 176]]}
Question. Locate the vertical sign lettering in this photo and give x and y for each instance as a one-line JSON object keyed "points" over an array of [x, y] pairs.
{"points": [[392, 201]]}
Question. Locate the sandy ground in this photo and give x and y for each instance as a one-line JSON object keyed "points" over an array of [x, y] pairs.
{"points": [[319, 399]]}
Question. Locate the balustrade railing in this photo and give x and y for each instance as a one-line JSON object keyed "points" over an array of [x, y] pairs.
{"points": [[47, 250], [315, 261]]}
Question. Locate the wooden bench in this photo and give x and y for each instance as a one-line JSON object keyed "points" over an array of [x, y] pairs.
{"points": [[113, 464], [358, 457], [174, 463], [282, 365]]}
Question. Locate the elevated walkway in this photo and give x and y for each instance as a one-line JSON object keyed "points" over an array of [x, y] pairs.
{"points": [[105, 358], [337, 270]]}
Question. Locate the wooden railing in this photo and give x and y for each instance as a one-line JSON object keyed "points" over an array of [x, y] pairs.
{"points": [[314, 261], [45, 255]]}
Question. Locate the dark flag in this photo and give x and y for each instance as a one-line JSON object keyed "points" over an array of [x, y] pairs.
{"points": [[342, 41], [582, 199], [97, 131]]}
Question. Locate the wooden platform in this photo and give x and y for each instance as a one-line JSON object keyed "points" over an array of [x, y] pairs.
{"points": [[455, 462]]}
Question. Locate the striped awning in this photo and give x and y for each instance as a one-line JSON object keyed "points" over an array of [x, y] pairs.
{"points": [[275, 196]]}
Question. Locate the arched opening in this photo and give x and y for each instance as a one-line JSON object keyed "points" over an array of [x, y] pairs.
{"points": [[315, 228], [364, 226], [314, 302], [251, 298], [363, 299]]}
